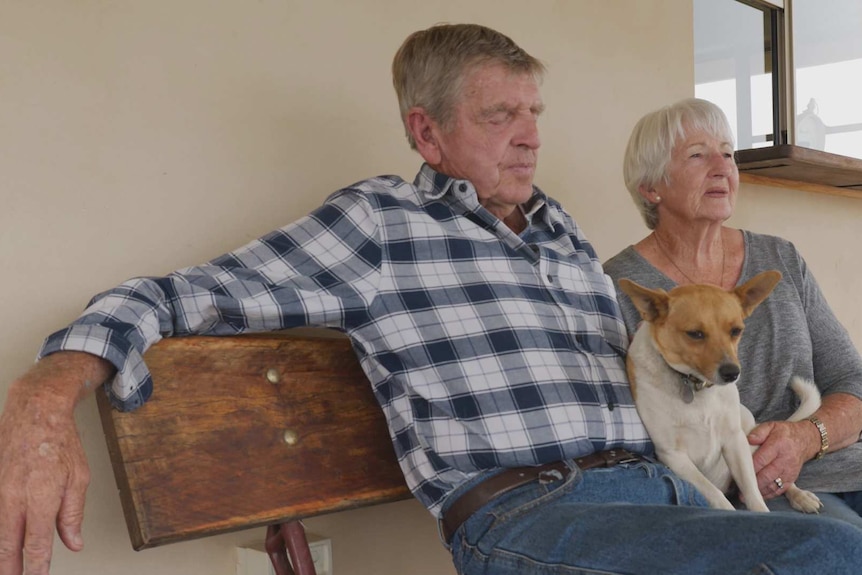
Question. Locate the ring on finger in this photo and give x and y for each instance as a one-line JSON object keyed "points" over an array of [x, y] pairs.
{"points": [[779, 482]]}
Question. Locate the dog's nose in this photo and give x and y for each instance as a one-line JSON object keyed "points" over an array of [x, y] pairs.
{"points": [[729, 372]]}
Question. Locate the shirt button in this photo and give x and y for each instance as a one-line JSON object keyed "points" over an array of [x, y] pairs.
{"points": [[550, 279], [462, 187]]}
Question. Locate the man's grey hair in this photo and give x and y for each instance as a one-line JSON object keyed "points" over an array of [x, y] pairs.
{"points": [[429, 69]]}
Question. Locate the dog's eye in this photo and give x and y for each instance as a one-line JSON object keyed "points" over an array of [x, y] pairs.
{"points": [[695, 334], [736, 332]]}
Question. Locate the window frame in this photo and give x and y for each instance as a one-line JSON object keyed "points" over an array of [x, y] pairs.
{"points": [[782, 158]]}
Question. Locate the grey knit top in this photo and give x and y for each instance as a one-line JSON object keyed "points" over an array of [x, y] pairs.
{"points": [[793, 332]]}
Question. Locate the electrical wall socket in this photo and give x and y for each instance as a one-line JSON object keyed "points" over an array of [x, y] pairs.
{"points": [[252, 558]]}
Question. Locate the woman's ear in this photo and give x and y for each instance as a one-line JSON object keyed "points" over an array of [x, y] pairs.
{"points": [[649, 194], [424, 129]]}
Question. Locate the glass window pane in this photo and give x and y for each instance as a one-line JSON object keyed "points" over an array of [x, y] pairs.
{"points": [[827, 57], [732, 67]]}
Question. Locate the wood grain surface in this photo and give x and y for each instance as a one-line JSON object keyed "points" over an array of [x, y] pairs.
{"points": [[220, 447]]}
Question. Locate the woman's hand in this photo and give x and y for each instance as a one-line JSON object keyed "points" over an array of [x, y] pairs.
{"points": [[783, 448]]}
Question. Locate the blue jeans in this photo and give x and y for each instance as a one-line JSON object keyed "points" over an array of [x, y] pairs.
{"points": [[642, 519], [843, 506]]}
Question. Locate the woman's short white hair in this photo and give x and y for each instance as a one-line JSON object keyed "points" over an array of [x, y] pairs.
{"points": [[652, 141]]}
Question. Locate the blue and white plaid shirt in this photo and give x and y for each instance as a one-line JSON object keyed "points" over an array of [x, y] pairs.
{"points": [[485, 348]]}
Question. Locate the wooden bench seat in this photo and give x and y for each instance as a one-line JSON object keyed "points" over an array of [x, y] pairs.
{"points": [[248, 431]]}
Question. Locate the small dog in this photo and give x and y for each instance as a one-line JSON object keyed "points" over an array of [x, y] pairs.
{"points": [[682, 366]]}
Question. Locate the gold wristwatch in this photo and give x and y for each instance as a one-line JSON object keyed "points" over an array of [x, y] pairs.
{"points": [[824, 437]]}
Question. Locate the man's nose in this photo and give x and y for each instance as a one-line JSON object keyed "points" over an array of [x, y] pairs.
{"points": [[528, 134]]}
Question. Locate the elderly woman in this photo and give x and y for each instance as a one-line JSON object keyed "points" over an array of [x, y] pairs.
{"points": [[679, 168]]}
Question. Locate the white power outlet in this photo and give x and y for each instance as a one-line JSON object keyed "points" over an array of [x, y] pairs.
{"points": [[252, 558], [321, 554]]}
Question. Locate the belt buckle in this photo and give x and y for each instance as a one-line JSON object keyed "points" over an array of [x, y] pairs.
{"points": [[620, 457]]}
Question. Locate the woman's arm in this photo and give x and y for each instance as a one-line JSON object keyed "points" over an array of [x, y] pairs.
{"points": [[784, 446]]}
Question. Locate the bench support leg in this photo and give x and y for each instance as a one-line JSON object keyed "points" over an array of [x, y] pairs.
{"points": [[289, 538]]}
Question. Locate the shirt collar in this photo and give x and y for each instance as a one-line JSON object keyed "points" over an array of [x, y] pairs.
{"points": [[433, 185]]}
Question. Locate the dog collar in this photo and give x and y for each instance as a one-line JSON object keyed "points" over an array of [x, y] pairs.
{"points": [[691, 384]]}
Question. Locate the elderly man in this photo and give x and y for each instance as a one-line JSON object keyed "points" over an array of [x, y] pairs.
{"points": [[486, 326]]}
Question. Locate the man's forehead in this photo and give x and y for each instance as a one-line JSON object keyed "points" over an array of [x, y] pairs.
{"points": [[497, 72], [495, 86]]}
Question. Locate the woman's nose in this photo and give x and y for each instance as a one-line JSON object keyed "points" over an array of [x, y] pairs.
{"points": [[720, 164]]}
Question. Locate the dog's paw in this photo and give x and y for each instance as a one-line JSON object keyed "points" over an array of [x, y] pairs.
{"points": [[721, 502], [803, 500]]}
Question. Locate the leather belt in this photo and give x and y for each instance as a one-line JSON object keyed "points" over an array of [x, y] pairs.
{"points": [[476, 497]]}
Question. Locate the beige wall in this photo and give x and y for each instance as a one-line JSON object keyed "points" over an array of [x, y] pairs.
{"points": [[137, 137], [827, 230]]}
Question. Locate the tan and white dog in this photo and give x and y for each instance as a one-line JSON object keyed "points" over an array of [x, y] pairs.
{"points": [[682, 366]]}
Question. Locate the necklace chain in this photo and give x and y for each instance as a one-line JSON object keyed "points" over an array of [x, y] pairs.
{"points": [[685, 275]]}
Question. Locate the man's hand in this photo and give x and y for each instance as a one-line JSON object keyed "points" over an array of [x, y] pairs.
{"points": [[43, 469]]}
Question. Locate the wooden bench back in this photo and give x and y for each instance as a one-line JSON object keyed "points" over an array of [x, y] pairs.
{"points": [[247, 431]]}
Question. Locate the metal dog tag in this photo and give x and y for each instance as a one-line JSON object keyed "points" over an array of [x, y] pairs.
{"points": [[687, 394]]}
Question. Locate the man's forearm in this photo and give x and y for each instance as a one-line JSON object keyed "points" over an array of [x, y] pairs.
{"points": [[67, 377]]}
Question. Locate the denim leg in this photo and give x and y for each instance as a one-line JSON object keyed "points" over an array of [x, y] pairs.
{"points": [[834, 506], [853, 499], [642, 519]]}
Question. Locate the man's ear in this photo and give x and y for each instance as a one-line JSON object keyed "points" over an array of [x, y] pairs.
{"points": [[424, 131]]}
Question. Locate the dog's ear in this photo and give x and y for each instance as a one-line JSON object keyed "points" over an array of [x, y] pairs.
{"points": [[651, 304], [755, 290]]}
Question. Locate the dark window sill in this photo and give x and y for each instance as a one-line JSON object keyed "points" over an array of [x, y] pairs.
{"points": [[804, 165]]}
